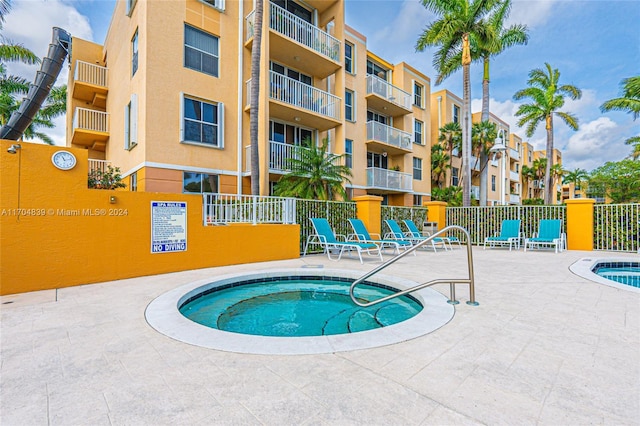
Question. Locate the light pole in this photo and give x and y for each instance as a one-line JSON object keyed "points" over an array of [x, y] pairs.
{"points": [[499, 148]]}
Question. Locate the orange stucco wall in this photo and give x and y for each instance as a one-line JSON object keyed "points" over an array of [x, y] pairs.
{"points": [[68, 235]]}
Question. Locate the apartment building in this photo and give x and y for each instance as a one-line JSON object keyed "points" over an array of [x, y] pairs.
{"points": [[166, 98]]}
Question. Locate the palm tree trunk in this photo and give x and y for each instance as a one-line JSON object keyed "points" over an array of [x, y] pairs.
{"points": [[548, 190], [466, 137], [255, 96], [484, 158]]}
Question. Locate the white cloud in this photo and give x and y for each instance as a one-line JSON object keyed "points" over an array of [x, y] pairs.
{"points": [[30, 23], [530, 12], [595, 143]]}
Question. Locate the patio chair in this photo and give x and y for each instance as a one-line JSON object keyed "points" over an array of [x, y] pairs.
{"points": [[509, 235], [413, 229], [397, 234], [362, 235], [548, 235], [325, 237]]}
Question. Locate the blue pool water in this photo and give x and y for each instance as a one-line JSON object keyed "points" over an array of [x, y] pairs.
{"points": [[296, 307], [622, 272]]}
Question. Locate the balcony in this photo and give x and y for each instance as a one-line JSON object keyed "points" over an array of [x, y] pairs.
{"points": [[295, 41], [388, 139], [474, 163], [279, 156], [538, 184], [388, 181], [475, 192], [298, 102], [90, 129], [514, 199], [387, 98], [90, 84], [514, 154], [514, 176], [98, 165]]}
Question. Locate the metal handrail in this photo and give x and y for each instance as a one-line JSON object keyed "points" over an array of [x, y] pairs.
{"points": [[451, 281]]}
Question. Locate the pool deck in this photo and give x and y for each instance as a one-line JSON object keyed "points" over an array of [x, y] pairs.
{"points": [[543, 347]]}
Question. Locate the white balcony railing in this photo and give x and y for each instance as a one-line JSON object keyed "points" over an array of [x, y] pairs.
{"points": [[514, 176], [514, 154], [474, 162], [389, 179], [98, 165], [475, 192], [289, 25], [514, 199], [91, 120], [90, 73], [301, 95], [280, 155], [386, 90], [388, 135]]}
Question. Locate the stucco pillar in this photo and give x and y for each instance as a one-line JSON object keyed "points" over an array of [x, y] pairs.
{"points": [[436, 212], [368, 211], [580, 223]]}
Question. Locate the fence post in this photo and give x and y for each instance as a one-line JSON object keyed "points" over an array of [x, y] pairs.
{"points": [[368, 211], [436, 212], [580, 223]]}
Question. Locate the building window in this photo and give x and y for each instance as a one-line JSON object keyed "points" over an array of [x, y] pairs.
{"points": [[199, 182], [417, 200], [134, 54], [133, 181], [517, 167], [200, 51], [348, 153], [417, 94], [417, 132], [375, 69], [348, 105], [455, 176], [493, 183], [131, 123], [349, 192], [296, 9], [202, 122], [290, 135], [456, 114], [377, 160], [374, 116], [130, 5], [348, 58], [417, 168], [291, 73], [218, 4]]}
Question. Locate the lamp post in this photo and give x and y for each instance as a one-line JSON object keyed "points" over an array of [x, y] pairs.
{"points": [[499, 148]]}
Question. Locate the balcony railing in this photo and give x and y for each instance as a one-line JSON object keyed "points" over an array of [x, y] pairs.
{"points": [[91, 120], [289, 25], [280, 155], [90, 73], [388, 135], [474, 163], [389, 179], [514, 199], [386, 90], [514, 154], [514, 176], [301, 95], [98, 165], [475, 192]]}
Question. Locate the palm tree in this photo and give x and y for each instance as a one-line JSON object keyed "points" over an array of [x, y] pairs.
{"points": [[576, 177], [629, 102], [547, 96], [459, 20], [483, 136], [450, 137], [557, 172], [440, 162], [528, 174], [539, 168], [255, 96], [500, 39], [315, 174]]}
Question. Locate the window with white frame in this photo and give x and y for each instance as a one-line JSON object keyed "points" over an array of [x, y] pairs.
{"points": [[199, 182], [202, 122], [290, 135], [456, 114], [417, 200], [493, 183], [218, 4], [418, 89], [455, 176], [201, 51], [377, 70], [348, 58], [131, 123], [348, 105], [133, 182], [417, 132], [348, 153], [417, 168], [134, 54]]}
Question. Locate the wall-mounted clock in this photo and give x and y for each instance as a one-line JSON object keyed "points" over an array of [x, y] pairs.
{"points": [[64, 160]]}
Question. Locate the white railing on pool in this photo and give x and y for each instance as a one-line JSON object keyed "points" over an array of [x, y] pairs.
{"points": [[220, 209]]}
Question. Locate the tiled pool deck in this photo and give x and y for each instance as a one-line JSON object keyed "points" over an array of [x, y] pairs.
{"points": [[544, 347]]}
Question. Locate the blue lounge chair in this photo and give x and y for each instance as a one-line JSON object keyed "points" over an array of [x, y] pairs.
{"points": [[509, 234], [549, 234], [415, 232], [325, 237], [362, 235], [397, 234]]}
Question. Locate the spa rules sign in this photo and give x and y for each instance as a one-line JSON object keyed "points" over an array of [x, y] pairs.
{"points": [[168, 227]]}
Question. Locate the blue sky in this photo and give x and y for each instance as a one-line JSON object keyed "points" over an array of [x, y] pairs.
{"points": [[593, 43]]}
